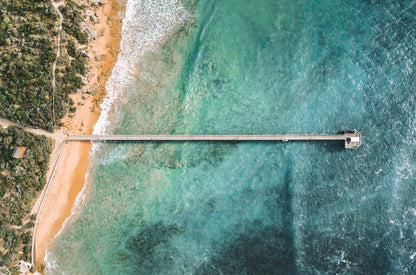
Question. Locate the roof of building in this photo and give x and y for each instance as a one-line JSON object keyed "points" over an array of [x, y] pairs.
{"points": [[24, 267], [19, 152]]}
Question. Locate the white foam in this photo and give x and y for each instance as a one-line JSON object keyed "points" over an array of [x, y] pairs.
{"points": [[51, 264], [79, 201], [116, 154], [146, 26]]}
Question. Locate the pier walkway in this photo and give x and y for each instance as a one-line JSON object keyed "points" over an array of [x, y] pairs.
{"points": [[352, 139]]}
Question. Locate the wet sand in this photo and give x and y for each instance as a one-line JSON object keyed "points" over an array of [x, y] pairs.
{"points": [[69, 178]]}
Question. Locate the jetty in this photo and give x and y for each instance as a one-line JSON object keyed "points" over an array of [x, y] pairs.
{"points": [[352, 139]]}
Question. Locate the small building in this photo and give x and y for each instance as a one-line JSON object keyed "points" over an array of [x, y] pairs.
{"points": [[353, 139], [24, 267], [19, 152]]}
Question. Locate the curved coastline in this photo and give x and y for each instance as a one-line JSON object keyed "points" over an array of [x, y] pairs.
{"points": [[70, 176]]}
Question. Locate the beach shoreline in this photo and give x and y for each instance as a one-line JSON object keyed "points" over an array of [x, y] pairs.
{"points": [[69, 179]]}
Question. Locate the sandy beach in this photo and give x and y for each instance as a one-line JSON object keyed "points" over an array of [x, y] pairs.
{"points": [[69, 178]]}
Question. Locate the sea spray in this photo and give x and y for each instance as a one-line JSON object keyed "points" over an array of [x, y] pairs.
{"points": [[146, 25], [261, 208]]}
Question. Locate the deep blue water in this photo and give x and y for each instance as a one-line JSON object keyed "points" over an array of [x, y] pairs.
{"points": [[260, 67]]}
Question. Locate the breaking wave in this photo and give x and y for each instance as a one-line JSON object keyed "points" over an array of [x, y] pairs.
{"points": [[146, 26]]}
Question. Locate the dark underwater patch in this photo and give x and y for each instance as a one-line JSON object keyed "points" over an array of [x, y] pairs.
{"points": [[150, 249], [257, 251]]}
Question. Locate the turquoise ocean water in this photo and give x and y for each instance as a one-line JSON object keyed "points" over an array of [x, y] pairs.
{"points": [[254, 67]]}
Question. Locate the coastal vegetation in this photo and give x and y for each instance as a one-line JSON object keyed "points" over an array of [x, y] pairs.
{"points": [[28, 49], [71, 66], [21, 181], [28, 31], [72, 12]]}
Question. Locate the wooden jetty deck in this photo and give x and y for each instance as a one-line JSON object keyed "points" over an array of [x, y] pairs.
{"points": [[352, 138]]}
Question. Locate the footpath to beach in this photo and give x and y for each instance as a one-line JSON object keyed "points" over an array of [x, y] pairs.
{"points": [[69, 175], [67, 180]]}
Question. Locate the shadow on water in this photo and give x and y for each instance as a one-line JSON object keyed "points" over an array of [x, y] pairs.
{"points": [[331, 145]]}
